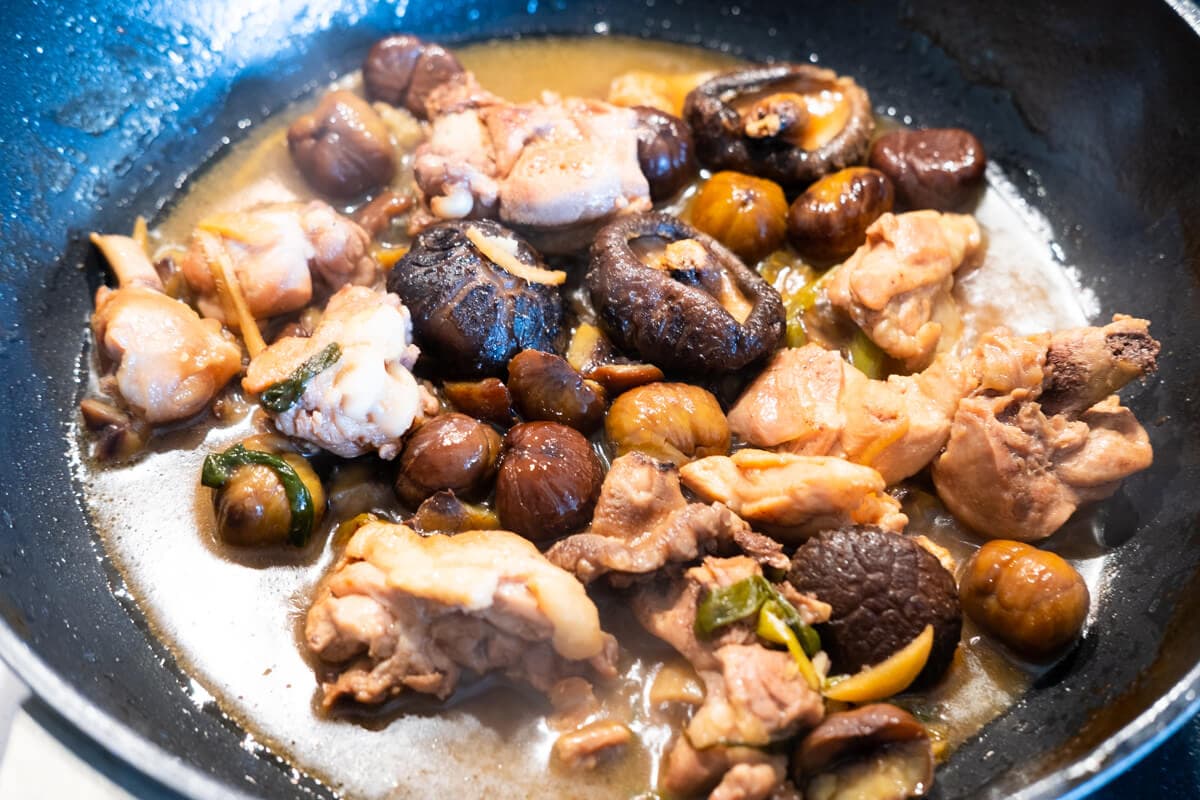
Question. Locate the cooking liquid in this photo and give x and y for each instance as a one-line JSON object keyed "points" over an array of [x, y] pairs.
{"points": [[233, 618]]}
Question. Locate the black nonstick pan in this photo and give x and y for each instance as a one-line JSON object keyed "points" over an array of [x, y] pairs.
{"points": [[1091, 109]]}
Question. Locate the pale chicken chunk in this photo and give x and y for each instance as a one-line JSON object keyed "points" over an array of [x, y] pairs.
{"points": [[1042, 434], [892, 285], [642, 522], [167, 363], [793, 497], [366, 399], [404, 611], [278, 251], [810, 401], [556, 166]]}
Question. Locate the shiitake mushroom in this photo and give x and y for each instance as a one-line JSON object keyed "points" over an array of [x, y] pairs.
{"points": [[679, 299], [342, 148], [549, 480], [664, 152], [791, 123], [449, 452], [884, 588], [403, 70], [473, 311]]}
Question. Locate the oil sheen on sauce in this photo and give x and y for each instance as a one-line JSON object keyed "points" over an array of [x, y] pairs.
{"points": [[232, 619]]}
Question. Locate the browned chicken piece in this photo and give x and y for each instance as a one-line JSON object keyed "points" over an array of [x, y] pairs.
{"points": [[791, 497], [167, 363], [642, 522], [366, 399], [724, 772], [278, 251], [810, 401], [754, 695], [404, 611], [893, 283], [557, 165], [1042, 434]]}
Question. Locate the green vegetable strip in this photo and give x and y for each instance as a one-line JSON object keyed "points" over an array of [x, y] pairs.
{"points": [[279, 397], [866, 355], [773, 628], [727, 605], [219, 468]]}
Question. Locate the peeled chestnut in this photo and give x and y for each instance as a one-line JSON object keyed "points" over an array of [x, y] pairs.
{"points": [[830, 219], [664, 152], [674, 422], [1030, 599], [403, 71], [549, 481], [746, 214], [451, 451], [486, 399], [545, 387], [938, 168], [342, 148]]}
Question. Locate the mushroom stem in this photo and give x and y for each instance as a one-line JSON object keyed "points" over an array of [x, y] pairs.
{"points": [[230, 292], [128, 261]]}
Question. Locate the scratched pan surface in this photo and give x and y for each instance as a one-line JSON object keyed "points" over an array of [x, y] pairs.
{"points": [[1090, 108]]}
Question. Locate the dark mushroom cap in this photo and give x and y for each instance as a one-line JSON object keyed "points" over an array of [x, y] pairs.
{"points": [[342, 148], [670, 320], [848, 733], [664, 152], [721, 140], [469, 315], [884, 588]]}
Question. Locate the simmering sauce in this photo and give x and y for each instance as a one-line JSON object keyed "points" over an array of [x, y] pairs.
{"points": [[233, 618]]}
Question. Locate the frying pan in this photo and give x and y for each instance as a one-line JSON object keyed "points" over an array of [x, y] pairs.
{"points": [[1089, 107]]}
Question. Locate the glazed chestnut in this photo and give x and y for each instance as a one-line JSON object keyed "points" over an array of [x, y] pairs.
{"points": [[549, 481], [678, 298], [472, 311], [938, 168], [879, 751], [403, 71], [746, 214], [664, 152], [830, 219], [1030, 599], [451, 451], [486, 399], [884, 589], [791, 123], [545, 387], [342, 148], [674, 422], [446, 513]]}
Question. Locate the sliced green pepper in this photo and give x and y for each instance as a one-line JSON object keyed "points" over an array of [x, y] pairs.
{"points": [[866, 356], [745, 598], [773, 628], [219, 468], [279, 397]]}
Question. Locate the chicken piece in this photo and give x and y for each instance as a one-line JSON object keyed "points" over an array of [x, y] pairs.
{"points": [[792, 497], [642, 522], [558, 166], [753, 696], [727, 773], [1017, 468], [891, 285], [367, 399], [277, 250], [168, 363], [404, 611], [810, 401]]}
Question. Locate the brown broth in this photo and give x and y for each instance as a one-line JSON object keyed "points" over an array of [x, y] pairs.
{"points": [[232, 619]]}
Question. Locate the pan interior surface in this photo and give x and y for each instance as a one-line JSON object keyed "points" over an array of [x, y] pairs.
{"points": [[1092, 125]]}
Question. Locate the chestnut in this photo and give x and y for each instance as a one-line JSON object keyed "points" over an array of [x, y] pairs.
{"points": [[664, 152], [545, 387], [549, 481], [940, 168], [342, 148], [486, 399], [674, 422], [403, 71], [829, 220], [746, 214], [449, 452], [1031, 600]]}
